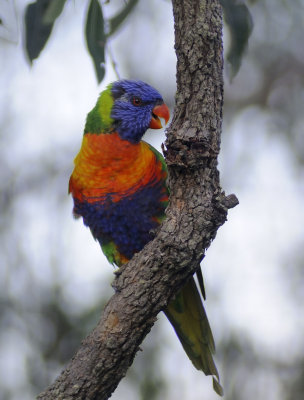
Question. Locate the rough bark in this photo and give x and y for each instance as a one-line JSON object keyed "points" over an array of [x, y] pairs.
{"points": [[197, 208]]}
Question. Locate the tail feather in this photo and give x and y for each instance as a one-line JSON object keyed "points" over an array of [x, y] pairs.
{"points": [[201, 282], [189, 320]]}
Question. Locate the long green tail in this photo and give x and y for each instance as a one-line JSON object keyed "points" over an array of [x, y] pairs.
{"points": [[189, 320]]}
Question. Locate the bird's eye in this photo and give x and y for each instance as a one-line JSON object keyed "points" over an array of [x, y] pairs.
{"points": [[136, 101]]}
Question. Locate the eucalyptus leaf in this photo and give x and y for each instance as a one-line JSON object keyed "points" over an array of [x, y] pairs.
{"points": [[96, 37], [239, 21], [36, 31], [53, 11], [116, 21]]}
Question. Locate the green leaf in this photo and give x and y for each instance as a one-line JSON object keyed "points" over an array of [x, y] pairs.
{"points": [[96, 37], [115, 22], [53, 11], [36, 31], [240, 24], [39, 21]]}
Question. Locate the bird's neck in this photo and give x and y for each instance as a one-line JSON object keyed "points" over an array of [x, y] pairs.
{"points": [[108, 151]]}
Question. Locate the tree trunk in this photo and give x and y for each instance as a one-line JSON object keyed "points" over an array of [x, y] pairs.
{"points": [[197, 208]]}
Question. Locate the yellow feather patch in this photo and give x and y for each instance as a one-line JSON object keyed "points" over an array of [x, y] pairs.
{"points": [[105, 104]]}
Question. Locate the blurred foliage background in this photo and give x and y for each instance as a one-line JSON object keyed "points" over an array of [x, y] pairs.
{"points": [[54, 280]]}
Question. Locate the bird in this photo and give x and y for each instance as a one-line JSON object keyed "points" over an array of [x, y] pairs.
{"points": [[119, 188]]}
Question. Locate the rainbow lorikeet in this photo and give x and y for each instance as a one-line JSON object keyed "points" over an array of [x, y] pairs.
{"points": [[119, 188]]}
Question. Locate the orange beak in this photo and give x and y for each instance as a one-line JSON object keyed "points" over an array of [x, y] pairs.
{"points": [[161, 111]]}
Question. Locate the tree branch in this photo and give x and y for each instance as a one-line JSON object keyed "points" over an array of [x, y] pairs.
{"points": [[144, 286]]}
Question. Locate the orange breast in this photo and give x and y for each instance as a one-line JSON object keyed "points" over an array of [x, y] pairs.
{"points": [[106, 164]]}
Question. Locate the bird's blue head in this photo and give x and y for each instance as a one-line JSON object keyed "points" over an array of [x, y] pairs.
{"points": [[137, 107]]}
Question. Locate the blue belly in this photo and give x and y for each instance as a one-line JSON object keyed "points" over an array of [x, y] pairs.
{"points": [[129, 222]]}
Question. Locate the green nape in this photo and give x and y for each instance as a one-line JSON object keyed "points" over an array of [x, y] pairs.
{"points": [[99, 119]]}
